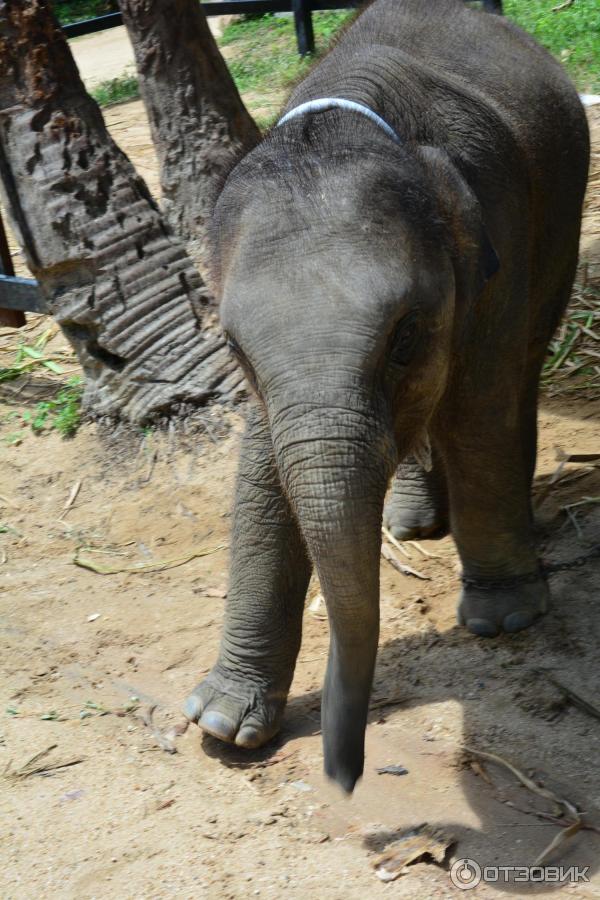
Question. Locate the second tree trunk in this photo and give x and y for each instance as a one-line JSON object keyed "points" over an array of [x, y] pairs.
{"points": [[199, 123]]}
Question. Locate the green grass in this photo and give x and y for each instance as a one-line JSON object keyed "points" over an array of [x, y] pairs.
{"points": [[266, 54], [27, 357], [571, 34], [265, 58], [116, 90], [62, 413], [68, 11]]}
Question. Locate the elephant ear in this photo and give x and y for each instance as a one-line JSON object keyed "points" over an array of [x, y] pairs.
{"points": [[475, 259]]}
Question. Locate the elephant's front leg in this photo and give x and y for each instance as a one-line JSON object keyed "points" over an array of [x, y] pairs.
{"points": [[243, 697]]}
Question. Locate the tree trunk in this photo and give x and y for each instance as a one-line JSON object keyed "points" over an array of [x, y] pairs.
{"points": [[198, 121], [118, 282]]}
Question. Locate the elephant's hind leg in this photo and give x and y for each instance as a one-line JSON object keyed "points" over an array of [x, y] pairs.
{"points": [[243, 697], [417, 505], [504, 588]]}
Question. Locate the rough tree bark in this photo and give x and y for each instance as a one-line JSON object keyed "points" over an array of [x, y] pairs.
{"points": [[116, 279], [196, 114]]}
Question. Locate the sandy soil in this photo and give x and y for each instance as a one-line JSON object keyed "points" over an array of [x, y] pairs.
{"points": [[108, 54], [130, 820], [102, 56]]}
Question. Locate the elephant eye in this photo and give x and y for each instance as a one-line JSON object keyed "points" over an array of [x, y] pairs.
{"points": [[404, 339]]}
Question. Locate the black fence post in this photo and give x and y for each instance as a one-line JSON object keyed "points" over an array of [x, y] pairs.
{"points": [[15, 318], [304, 26]]}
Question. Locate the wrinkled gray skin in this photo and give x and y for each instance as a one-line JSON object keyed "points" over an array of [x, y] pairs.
{"points": [[376, 293]]}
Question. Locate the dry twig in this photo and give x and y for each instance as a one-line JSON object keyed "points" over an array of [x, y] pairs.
{"points": [[157, 566], [30, 768], [391, 557], [164, 739], [394, 542], [574, 349], [73, 495], [573, 821], [575, 698]]}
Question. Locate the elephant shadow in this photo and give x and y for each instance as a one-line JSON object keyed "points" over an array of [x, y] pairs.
{"points": [[513, 693]]}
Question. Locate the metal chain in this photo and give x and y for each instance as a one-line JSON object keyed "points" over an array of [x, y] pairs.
{"points": [[551, 568], [544, 571]]}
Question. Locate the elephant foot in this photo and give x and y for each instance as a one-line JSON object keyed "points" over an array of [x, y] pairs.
{"points": [[412, 524], [417, 505], [234, 710], [488, 611]]}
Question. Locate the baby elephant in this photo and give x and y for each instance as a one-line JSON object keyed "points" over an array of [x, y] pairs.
{"points": [[392, 261]]}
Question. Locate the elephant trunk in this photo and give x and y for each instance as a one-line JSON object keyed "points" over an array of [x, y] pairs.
{"points": [[335, 465]]}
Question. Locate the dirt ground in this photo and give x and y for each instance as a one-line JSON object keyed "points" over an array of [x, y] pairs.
{"points": [[84, 656], [108, 54]]}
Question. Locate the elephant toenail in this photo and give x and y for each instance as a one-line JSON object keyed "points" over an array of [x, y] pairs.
{"points": [[217, 725], [517, 621], [192, 708], [249, 737], [482, 627]]}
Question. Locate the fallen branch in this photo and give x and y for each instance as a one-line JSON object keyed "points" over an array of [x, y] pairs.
{"points": [[391, 557], [398, 700], [573, 822], [73, 495], [571, 695], [157, 566], [165, 740], [29, 768], [422, 550], [274, 760], [394, 542], [562, 456], [585, 501]]}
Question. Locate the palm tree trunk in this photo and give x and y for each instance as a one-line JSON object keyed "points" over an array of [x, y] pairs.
{"points": [[198, 121], [116, 279]]}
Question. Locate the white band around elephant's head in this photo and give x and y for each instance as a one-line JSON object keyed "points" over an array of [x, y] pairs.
{"points": [[339, 103]]}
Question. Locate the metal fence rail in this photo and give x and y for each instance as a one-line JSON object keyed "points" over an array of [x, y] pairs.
{"points": [[302, 10]]}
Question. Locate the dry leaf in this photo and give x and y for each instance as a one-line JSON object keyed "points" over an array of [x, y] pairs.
{"points": [[416, 844], [317, 607]]}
